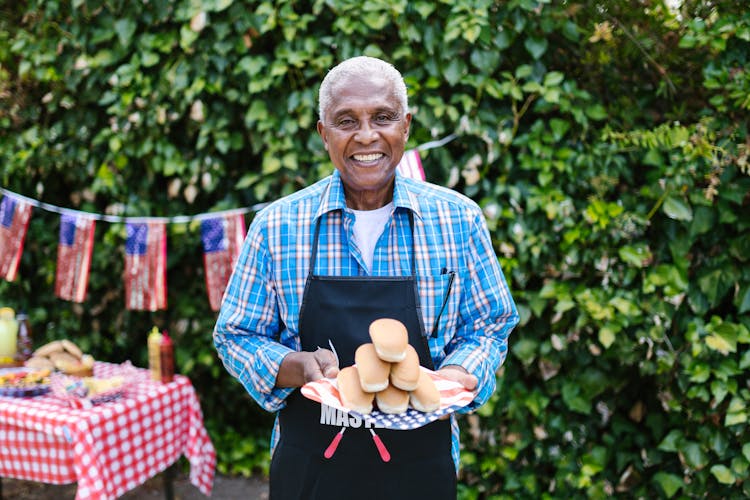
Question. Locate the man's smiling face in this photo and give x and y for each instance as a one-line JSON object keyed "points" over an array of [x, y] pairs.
{"points": [[365, 132]]}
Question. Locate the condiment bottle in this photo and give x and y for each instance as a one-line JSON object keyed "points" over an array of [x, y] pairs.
{"points": [[154, 343], [166, 359], [8, 335], [24, 343]]}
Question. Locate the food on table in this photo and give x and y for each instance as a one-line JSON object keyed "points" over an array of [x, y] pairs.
{"points": [[97, 386], [425, 397], [392, 400], [63, 355], [350, 390], [39, 363], [405, 373], [390, 339], [373, 371], [22, 378]]}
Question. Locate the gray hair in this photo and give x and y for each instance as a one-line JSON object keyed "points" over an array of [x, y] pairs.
{"points": [[361, 66]]}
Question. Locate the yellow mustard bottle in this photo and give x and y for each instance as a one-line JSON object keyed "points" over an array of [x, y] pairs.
{"points": [[154, 344]]}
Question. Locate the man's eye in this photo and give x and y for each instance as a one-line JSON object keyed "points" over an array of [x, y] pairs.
{"points": [[386, 118], [345, 122]]}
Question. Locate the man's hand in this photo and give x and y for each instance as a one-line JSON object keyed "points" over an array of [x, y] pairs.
{"points": [[299, 368], [460, 375]]}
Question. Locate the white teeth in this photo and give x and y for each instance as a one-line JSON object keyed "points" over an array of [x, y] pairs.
{"points": [[371, 157]]}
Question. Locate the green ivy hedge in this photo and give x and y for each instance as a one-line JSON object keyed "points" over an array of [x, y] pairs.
{"points": [[606, 141]]}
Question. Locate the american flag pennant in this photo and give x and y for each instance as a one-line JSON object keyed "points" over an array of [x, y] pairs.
{"points": [[14, 221], [74, 257], [146, 266], [222, 239], [411, 165]]}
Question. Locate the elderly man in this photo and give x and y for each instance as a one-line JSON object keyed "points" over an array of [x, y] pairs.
{"points": [[320, 265]]}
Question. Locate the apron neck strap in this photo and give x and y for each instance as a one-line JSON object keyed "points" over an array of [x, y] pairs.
{"points": [[314, 254]]}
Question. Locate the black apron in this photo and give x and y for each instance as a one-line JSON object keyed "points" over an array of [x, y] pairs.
{"points": [[339, 310]]}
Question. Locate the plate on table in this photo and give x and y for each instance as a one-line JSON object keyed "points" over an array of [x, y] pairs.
{"points": [[20, 382], [453, 397], [86, 392]]}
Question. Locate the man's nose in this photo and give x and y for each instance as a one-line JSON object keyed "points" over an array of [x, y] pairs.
{"points": [[366, 134]]}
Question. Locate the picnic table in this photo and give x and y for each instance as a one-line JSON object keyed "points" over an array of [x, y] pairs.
{"points": [[111, 447]]}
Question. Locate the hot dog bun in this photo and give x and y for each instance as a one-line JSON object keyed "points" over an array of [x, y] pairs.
{"points": [[425, 397], [390, 339], [405, 374], [352, 395], [373, 371], [392, 400]]}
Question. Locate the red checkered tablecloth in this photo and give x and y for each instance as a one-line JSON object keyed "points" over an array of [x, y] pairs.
{"points": [[112, 447]]}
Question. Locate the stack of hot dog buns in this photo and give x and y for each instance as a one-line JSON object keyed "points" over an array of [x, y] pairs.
{"points": [[62, 355], [386, 373]]}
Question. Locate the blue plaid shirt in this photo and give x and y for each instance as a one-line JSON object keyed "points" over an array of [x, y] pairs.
{"points": [[259, 319]]}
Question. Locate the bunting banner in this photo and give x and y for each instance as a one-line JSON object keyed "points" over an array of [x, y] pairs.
{"points": [[14, 221], [411, 165], [74, 250], [222, 239], [146, 266], [222, 234]]}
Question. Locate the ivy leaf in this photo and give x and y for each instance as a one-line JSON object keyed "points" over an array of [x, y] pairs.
{"points": [[635, 255], [424, 9], [743, 299], [553, 78], [694, 455], [677, 209], [723, 336], [216, 5], [703, 221], [723, 474], [573, 399], [271, 164], [596, 112], [525, 350], [454, 70], [669, 483], [606, 337], [125, 29], [559, 128], [671, 441], [715, 284], [736, 412], [536, 46]]}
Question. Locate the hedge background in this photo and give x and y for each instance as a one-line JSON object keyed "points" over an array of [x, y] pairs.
{"points": [[606, 141]]}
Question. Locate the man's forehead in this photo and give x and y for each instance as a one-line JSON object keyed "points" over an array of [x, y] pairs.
{"points": [[373, 94]]}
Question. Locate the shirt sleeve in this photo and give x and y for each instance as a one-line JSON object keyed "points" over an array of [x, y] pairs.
{"points": [[247, 330], [487, 316]]}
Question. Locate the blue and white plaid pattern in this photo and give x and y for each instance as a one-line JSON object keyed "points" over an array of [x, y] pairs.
{"points": [[259, 319]]}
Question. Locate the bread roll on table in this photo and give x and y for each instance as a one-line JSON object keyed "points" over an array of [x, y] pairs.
{"points": [[390, 339], [405, 373], [350, 390], [373, 371]]}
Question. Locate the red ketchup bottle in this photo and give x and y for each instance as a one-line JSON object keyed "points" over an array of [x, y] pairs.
{"points": [[166, 358]]}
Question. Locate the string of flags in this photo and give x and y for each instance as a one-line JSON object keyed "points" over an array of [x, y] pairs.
{"points": [[145, 276]]}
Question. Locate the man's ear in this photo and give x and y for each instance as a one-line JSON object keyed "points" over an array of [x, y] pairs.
{"points": [[407, 125], [322, 133]]}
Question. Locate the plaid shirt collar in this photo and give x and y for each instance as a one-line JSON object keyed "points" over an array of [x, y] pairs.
{"points": [[333, 196]]}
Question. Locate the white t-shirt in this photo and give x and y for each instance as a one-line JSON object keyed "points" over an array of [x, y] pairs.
{"points": [[368, 226]]}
